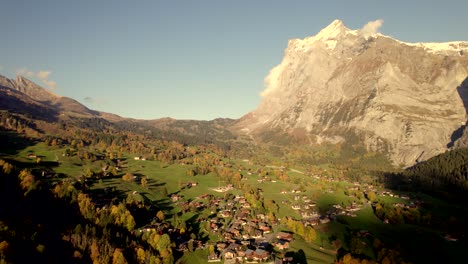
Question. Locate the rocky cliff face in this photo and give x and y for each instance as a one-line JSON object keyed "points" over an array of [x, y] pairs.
{"points": [[405, 99]]}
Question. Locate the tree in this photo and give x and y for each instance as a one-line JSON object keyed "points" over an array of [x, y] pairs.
{"points": [[118, 257], [94, 252], [144, 182], [160, 215], [371, 196], [128, 177], [310, 234], [88, 172], [211, 249], [190, 245], [141, 256]]}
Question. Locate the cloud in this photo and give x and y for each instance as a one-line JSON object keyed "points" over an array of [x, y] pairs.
{"points": [[371, 28], [89, 100], [93, 100], [43, 76], [272, 81]]}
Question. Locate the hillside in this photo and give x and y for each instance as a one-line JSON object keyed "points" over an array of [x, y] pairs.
{"points": [[24, 97]]}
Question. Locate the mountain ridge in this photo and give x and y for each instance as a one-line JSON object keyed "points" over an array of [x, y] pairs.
{"points": [[342, 84]]}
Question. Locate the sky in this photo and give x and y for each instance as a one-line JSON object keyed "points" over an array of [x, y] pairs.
{"points": [[187, 59]]}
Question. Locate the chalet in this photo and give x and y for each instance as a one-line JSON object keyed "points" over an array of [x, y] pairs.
{"points": [[225, 213], [265, 229], [260, 254], [229, 254], [191, 184], [284, 236], [241, 252], [282, 244], [221, 246], [249, 254], [286, 260], [214, 257], [32, 155], [175, 197], [296, 207], [257, 234]]}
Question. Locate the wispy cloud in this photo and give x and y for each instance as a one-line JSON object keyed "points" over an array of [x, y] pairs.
{"points": [[371, 28], [93, 100], [89, 100], [43, 76]]}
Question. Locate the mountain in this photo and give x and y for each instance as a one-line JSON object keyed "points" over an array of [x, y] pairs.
{"points": [[31, 92], [22, 96], [350, 86]]}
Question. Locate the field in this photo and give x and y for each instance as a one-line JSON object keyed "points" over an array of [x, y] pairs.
{"points": [[167, 179]]}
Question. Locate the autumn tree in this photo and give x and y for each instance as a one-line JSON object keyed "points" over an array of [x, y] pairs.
{"points": [[141, 256], [128, 177], [144, 182], [118, 257], [160, 215]]}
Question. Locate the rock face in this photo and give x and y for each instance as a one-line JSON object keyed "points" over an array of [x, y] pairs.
{"points": [[404, 99]]}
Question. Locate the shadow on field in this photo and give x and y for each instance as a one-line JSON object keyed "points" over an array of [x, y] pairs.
{"points": [[12, 142]]}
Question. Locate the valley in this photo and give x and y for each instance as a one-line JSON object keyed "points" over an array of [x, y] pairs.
{"points": [[218, 208], [355, 154]]}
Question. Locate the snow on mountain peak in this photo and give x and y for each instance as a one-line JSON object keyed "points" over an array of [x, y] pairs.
{"points": [[331, 31], [330, 35]]}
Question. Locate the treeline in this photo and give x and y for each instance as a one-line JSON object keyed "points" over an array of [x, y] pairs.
{"points": [[445, 175], [450, 169]]}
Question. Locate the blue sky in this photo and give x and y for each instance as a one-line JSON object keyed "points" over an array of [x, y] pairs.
{"points": [[187, 59]]}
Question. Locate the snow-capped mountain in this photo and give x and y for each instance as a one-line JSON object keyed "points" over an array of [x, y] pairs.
{"points": [[405, 99]]}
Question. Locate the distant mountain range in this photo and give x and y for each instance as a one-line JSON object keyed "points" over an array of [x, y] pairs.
{"points": [[24, 97], [341, 86]]}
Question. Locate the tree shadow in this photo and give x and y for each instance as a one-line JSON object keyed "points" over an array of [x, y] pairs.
{"points": [[13, 142]]}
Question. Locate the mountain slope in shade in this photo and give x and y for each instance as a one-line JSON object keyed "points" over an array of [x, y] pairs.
{"points": [[405, 99], [46, 98]]}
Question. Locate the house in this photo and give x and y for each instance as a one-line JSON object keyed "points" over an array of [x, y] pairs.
{"points": [[229, 254], [257, 234], [214, 257], [284, 236], [225, 213], [282, 244], [175, 197], [249, 254], [266, 229], [296, 207], [260, 254], [32, 155], [221, 246], [136, 158]]}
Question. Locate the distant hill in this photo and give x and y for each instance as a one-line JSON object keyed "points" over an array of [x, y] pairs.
{"points": [[22, 96]]}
